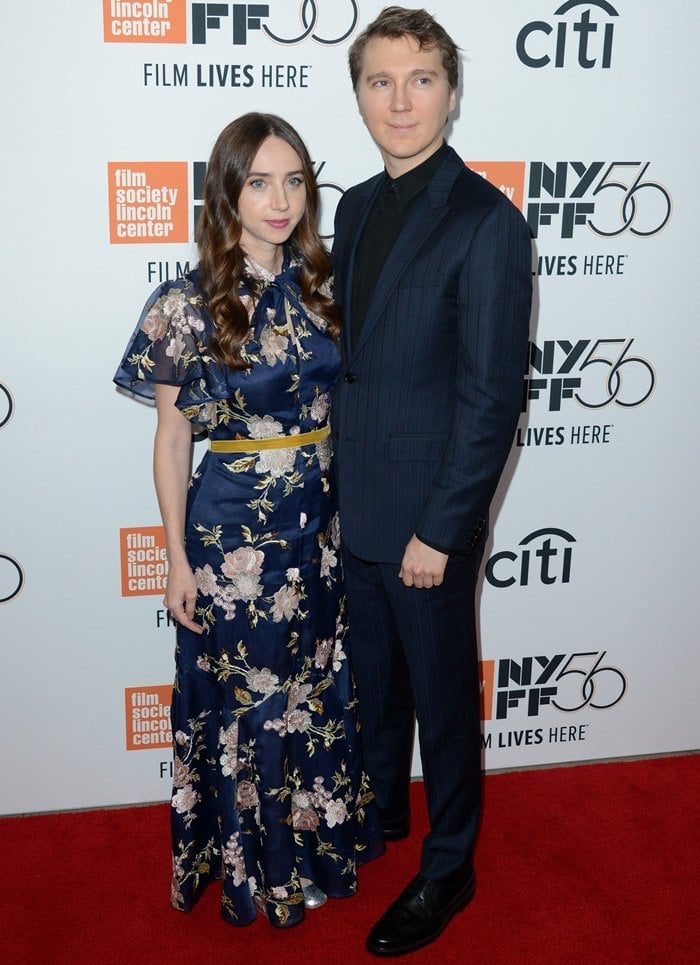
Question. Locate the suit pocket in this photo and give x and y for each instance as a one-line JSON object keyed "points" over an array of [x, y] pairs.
{"points": [[417, 447]]}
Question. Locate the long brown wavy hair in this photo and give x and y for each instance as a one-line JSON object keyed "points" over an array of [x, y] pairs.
{"points": [[218, 235]]}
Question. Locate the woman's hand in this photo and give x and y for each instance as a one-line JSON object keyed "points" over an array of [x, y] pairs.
{"points": [[181, 596]]}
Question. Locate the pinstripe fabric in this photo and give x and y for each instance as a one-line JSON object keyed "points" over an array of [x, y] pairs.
{"points": [[422, 434], [414, 653], [423, 421]]}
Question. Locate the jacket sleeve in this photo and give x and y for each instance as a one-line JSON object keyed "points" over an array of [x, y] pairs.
{"points": [[493, 312]]}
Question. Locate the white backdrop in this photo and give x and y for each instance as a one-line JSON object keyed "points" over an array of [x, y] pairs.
{"points": [[587, 114]]}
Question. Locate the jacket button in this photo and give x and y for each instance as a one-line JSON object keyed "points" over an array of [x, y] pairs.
{"points": [[350, 377]]}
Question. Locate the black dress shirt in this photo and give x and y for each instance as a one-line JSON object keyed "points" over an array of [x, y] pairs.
{"points": [[386, 219]]}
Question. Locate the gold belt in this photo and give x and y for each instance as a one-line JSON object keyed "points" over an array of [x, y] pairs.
{"points": [[275, 442]]}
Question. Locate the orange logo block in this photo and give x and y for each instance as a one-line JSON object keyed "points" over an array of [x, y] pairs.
{"points": [[486, 672], [147, 202], [161, 22], [143, 560], [147, 715], [507, 176]]}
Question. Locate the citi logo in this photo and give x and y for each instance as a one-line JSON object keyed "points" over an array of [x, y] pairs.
{"points": [[583, 41], [544, 556]]}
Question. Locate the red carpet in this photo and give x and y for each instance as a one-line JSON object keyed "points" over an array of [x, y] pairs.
{"points": [[587, 864]]}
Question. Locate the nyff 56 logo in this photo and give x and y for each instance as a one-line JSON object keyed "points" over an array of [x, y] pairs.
{"points": [[607, 197], [569, 683], [592, 372]]}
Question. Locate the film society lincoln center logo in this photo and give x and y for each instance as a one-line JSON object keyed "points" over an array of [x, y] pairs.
{"points": [[144, 566], [147, 717], [148, 202], [143, 573], [159, 22]]}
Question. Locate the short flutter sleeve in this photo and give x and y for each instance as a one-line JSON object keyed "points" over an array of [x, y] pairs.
{"points": [[169, 347]]}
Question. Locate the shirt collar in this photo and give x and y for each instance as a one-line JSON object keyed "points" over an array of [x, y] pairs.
{"points": [[408, 185]]}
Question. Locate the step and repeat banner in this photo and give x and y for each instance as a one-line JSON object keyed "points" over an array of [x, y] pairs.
{"points": [[585, 114]]}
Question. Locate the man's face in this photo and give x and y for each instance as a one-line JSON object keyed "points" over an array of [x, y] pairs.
{"points": [[404, 100]]}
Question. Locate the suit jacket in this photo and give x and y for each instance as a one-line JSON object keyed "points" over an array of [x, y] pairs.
{"points": [[428, 398]]}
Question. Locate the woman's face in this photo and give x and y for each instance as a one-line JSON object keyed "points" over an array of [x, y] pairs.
{"points": [[272, 201]]}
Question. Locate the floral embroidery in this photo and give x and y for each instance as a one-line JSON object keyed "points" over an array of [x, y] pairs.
{"points": [[264, 709]]}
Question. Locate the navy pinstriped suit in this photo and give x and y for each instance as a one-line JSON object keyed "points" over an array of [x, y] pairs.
{"points": [[423, 421]]}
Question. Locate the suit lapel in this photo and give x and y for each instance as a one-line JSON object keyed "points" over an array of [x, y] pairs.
{"points": [[429, 210]]}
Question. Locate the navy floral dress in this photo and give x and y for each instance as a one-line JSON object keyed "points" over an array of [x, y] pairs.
{"points": [[268, 780]]}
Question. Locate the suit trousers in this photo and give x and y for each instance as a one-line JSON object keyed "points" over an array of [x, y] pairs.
{"points": [[414, 655]]}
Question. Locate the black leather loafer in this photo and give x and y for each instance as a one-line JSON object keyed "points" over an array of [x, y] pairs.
{"points": [[420, 913], [395, 828]]}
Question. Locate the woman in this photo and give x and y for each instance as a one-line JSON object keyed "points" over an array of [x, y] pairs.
{"points": [[269, 792]]}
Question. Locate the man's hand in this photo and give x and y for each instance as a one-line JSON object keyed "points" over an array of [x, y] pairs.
{"points": [[422, 566]]}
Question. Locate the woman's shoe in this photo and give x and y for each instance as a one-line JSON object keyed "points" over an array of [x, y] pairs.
{"points": [[313, 896]]}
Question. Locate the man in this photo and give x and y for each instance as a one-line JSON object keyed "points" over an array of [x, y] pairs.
{"points": [[433, 275]]}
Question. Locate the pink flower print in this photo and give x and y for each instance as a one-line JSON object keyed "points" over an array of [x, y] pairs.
{"points": [[175, 348], [286, 603], [233, 858], [185, 799], [324, 453], [228, 739], [155, 323], [338, 656], [319, 407], [246, 795], [304, 816], [335, 530], [181, 774], [243, 567], [273, 346], [264, 427], [329, 560], [298, 721], [323, 652], [275, 462], [336, 813], [263, 681], [206, 580]]}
